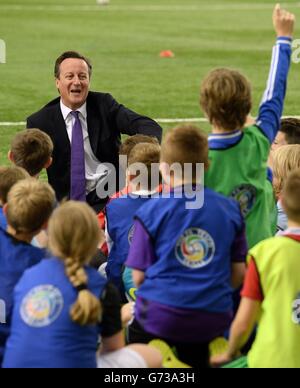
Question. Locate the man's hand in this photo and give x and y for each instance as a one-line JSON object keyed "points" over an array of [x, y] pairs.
{"points": [[283, 22]]}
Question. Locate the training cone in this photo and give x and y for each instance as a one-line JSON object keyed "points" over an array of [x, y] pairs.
{"points": [[167, 54]]}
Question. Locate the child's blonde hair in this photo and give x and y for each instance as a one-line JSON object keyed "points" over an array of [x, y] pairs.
{"points": [[29, 205], [74, 236], [285, 160], [9, 176], [225, 97], [291, 196], [32, 150], [149, 155]]}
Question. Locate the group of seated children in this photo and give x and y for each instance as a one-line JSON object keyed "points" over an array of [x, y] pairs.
{"points": [[185, 261], [66, 305]]}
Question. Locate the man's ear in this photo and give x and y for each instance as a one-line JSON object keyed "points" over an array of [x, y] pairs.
{"points": [[10, 156], [49, 163], [57, 83]]}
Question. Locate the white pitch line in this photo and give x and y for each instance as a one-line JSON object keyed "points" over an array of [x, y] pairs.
{"points": [[11, 124], [162, 121], [142, 8]]}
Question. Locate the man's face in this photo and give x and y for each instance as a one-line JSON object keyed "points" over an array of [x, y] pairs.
{"points": [[73, 82], [279, 141]]}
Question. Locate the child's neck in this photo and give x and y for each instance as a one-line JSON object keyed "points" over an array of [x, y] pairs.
{"points": [[181, 182], [24, 237], [293, 224], [219, 130], [136, 189]]}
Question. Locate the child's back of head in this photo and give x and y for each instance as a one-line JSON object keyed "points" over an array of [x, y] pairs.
{"points": [[29, 206], [225, 98], [31, 149], [128, 144], [285, 160], [290, 127], [147, 154], [291, 196], [185, 145], [9, 176]]}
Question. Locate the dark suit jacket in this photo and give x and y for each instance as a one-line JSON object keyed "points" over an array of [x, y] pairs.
{"points": [[106, 120]]}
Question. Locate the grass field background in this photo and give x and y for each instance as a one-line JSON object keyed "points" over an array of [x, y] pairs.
{"points": [[124, 40]]}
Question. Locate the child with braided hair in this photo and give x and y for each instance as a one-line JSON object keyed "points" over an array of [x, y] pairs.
{"points": [[62, 305]]}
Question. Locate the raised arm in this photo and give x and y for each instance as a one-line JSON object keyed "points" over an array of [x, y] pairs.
{"points": [[272, 103]]}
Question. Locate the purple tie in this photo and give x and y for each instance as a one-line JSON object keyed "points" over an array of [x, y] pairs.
{"points": [[77, 161]]}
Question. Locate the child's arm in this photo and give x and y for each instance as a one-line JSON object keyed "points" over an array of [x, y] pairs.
{"points": [[113, 343], [141, 255], [246, 317], [112, 332], [238, 271], [240, 331], [127, 313], [272, 104], [239, 251], [109, 241], [138, 277]]}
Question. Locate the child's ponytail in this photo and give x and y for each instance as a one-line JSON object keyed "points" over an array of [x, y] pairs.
{"points": [[87, 308], [74, 236]]}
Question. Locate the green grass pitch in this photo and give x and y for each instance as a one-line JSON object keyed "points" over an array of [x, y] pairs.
{"points": [[124, 40]]}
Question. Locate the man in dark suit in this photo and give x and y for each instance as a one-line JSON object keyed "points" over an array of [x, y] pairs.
{"points": [[86, 129]]}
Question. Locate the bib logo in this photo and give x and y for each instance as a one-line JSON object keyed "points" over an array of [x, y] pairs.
{"points": [[296, 311], [195, 249], [2, 51], [42, 306], [246, 196], [130, 234], [2, 311]]}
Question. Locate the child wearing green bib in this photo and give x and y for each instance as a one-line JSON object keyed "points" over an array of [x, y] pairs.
{"points": [[239, 152]]}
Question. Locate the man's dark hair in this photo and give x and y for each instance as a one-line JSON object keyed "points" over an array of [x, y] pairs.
{"points": [[291, 128], [67, 55]]}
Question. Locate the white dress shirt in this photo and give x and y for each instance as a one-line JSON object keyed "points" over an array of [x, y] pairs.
{"points": [[94, 170]]}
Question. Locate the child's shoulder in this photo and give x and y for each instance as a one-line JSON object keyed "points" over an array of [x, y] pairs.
{"points": [[255, 130], [95, 277], [215, 199], [273, 243], [9, 244]]}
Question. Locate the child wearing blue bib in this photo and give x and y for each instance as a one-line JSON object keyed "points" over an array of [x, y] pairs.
{"points": [[186, 256], [30, 204], [121, 211], [62, 305]]}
